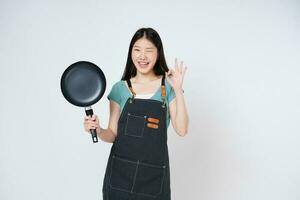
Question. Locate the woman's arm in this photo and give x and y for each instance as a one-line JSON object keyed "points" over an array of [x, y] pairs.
{"points": [[179, 114], [109, 134], [178, 111]]}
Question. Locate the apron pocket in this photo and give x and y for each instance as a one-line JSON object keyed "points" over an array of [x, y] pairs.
{"points": [[122, 174], [135, 125], [149, 179]]}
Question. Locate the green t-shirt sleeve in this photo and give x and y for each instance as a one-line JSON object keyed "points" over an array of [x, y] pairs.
{"points": [[114, 93]]}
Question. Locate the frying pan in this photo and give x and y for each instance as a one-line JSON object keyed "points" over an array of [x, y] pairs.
{"points": [[83, 84]]}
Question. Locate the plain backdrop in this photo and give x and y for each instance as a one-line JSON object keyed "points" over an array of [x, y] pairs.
{"points": [[241, 89]]}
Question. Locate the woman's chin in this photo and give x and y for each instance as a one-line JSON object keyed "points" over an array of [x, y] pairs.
{"points": [[145, 71]]}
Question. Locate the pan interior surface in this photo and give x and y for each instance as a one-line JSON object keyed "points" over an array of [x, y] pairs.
{"points": [[83, 84]]}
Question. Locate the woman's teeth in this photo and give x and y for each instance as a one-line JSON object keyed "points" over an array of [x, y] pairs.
{"points": [[143, 64]]}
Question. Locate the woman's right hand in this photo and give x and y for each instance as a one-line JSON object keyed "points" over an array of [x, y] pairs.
{"points": [[91, 123]]}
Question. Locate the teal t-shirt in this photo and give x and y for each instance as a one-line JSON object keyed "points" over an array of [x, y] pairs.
{"points": [[120, 93]]}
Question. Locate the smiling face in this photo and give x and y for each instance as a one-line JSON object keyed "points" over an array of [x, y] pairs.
{"points": [[144, 56]]}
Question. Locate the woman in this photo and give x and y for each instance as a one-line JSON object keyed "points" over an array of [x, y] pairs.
{"points": [[141, 106]]}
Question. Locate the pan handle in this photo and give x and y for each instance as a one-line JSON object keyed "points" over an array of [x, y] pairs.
{"points": [[89, 112]]}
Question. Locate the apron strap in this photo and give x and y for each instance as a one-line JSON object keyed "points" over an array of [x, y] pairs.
{"points": [[163, 89], [130, 88]]}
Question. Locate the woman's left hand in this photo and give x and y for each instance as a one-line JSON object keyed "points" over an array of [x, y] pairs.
{"points": [[175, 77]]}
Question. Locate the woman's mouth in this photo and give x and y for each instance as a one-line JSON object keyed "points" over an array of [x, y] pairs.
{"points": [[143, 64]]}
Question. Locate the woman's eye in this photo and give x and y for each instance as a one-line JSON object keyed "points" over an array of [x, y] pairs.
{"points": [[136, 50]]}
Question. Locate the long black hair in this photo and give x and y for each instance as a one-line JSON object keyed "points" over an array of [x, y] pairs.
{"points": [[160, 66]]}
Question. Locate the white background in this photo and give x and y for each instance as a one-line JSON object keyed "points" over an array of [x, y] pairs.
{"points": [[242, 90]]}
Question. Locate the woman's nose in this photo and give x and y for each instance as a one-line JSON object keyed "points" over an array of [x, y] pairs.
{"points": [[142, 55]]}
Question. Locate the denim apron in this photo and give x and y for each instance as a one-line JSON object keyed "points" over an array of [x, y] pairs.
{"points": [[138, 164]]}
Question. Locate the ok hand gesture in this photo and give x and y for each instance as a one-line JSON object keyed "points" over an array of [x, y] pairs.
{"points": [[175, 77]]}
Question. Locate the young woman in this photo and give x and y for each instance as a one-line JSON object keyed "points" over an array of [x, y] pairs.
{"points": [[141, 106]]}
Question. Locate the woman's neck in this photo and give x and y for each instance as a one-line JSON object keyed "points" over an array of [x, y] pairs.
{"points": [[143, 78]]}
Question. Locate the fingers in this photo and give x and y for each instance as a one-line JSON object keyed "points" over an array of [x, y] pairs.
{"points": [[91, 122], [179, 67], [94, 117], [184, 70], [168, 75]]}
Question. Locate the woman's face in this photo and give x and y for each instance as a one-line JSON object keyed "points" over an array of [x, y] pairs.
{"points": [[144, 56]]}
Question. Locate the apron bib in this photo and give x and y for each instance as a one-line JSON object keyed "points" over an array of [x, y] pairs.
{"points": [[138, 164]]}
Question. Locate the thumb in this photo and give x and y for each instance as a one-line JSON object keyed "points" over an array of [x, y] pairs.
{"points": [[97, 119]]}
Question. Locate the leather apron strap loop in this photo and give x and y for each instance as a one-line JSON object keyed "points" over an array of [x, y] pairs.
{"points": [[163, 91]]}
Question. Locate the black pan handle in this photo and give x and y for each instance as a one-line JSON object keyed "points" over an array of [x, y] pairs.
{"points": [[89, 112]]}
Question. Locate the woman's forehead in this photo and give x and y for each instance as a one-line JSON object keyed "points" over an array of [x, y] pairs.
{"points": [[144, 43]]}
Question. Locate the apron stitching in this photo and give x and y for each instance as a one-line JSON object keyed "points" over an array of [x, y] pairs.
{"points": [[144, 117], [140, 163], [125, 160], [161, 186], [134, 180], [127, 102], [137, 193], [154, 166]]}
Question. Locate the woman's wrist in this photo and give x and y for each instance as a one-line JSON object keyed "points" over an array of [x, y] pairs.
{"points": [[98, 130], [179, 91]]}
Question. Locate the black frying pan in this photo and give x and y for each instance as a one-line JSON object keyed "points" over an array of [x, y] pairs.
{"points": [[83, 84]]}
